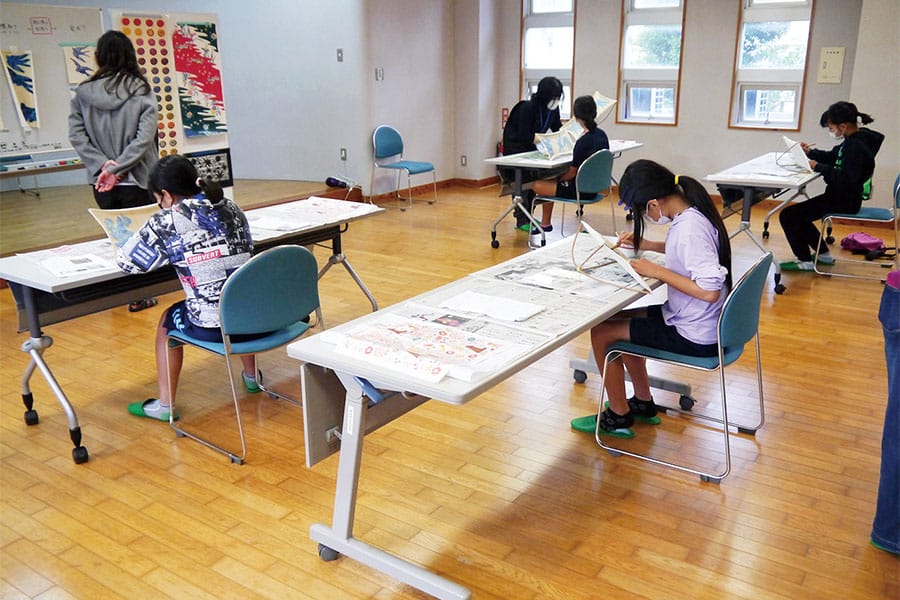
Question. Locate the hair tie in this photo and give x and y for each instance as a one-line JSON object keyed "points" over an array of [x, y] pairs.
{"points": [[676, 180], [199, 182]]}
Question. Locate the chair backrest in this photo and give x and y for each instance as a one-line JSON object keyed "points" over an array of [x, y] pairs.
{"points": [[595, 174], [272, 290], [897, 191], [387, 142], [739, 320]]}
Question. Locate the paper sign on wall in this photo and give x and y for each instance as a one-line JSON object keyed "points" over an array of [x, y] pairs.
{"points": [[831, 64]]}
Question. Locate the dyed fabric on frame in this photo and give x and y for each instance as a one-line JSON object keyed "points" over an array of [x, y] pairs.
{"points": [[80, 64], [199, 77], [20, 77]]}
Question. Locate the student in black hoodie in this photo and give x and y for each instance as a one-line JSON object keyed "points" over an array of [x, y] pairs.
{"points": [[539, 114], [847, 170]]}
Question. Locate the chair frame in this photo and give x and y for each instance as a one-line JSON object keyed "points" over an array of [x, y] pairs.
{"points": [[397, 166], [758, 272], [866, 214], [227, 353], [582, 174]]}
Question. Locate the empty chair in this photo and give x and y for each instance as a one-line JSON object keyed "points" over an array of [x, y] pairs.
{"points": [[271, 295], [593, 177], [866, 214], [738, 324], [388, 148]]}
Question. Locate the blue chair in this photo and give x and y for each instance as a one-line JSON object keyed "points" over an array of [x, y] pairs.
{"points": [[738, 324], [866, 214], [274, 292], [593, 177], [388, 147]]}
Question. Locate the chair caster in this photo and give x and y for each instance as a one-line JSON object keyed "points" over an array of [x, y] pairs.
{"points": [[779, 288], [327, 554], [31, 417], [686, 402], [829, 239], [80, 455], [495, 244], [580, 376], [708, 479], [765, 234]]}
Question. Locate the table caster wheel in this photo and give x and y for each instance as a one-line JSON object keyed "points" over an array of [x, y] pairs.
{"points": [[580, 376], [495, 244], [80, 455], [829, 239], [327, 554], [31, 417], [779, 288], [686, 402]]}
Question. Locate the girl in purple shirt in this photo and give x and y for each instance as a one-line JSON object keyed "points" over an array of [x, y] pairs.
{"points": [[698, 275]]}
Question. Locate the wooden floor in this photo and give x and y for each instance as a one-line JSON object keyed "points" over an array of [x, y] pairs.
{"points": [[498, 495]]}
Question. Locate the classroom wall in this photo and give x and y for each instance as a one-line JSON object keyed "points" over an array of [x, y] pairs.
{"points": [[876, 87], [451, 65]]}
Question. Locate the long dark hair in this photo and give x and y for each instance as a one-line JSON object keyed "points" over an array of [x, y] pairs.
{"points": [[586, 109], [178, 176], [843, 112], [117, 62], [645, 180], [548, 89]]}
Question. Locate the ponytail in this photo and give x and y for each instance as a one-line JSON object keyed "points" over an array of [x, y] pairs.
{"points": [[645, 180], [179, 177], [212, 190]]}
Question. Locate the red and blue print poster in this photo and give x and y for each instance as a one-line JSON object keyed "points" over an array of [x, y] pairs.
{"points": [[199, 76]]}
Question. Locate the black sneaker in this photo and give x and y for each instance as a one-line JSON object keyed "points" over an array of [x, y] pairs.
{"points": [[643, 410], [616, 425]]}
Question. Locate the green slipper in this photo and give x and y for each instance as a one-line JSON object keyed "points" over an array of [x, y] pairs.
{"points": [[526, 227], [252, 385], [797, 265], [588, 424], [150, 409]]}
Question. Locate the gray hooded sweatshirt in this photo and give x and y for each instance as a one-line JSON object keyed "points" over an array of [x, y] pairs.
{"points": [[114, 126]]}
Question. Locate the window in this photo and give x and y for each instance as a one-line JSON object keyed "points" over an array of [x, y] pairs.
{"points": [[548, 45], [770, 63], [650, 61]]}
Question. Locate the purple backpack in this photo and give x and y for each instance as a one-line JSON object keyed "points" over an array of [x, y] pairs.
{"points": [[862, 243]]}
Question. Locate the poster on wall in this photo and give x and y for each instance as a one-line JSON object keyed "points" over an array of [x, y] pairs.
{"points": [[213, 165], [80, 63], [199, 77], [19, 70]]}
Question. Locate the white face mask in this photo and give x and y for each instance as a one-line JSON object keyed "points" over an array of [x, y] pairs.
{"points": [[835, 136], [663, 219], [553, 104]]}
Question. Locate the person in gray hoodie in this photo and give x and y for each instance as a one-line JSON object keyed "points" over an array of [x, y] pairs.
{"points": [[113, 125]]}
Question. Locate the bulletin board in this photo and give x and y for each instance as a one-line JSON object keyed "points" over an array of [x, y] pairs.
{"points": [[180, 54], [49, 50]]}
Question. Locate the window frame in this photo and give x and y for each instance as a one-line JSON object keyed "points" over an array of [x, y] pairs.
{"points": [[528, 77], [744, 79], [630, 77]]}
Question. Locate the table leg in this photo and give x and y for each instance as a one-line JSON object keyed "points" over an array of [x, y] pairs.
{"points": [[35, 346], [745, 227], [338, 539], [338, 257]]}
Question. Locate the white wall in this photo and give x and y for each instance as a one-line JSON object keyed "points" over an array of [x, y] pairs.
{"points": [[876, 87]]}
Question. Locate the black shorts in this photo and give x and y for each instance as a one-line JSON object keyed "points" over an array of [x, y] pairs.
{"points": [[177, 320], [652, 331], [566, 189]]}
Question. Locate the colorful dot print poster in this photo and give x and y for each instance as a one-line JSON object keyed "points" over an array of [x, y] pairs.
{"points": [[199, 78], [149, 34]]}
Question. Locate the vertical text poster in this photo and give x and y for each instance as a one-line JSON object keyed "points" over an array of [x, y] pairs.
{"points": [[19, 69], [149, 35], [199, 78]]}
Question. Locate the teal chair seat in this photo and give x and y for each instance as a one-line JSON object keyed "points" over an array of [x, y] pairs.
{"points": [[388, 150], [270, 299], [594, 177], [738, 324]]}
